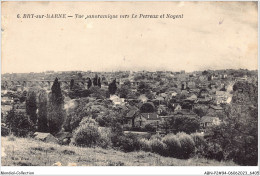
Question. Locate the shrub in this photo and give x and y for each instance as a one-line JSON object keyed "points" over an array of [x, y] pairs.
{"points": [[185, 124], [116, 134], [134, 137], [89, 121], [214, 151], [137, 128], [127, 127], [56, 116], [98, 92], [78, 93], [150, 127], [198, 139], [144, 144], [173, 145], [87, 135], [156, 136], [19, 124], [105, 137], [4, 131], [187, 145], [125, 142], [200, 144], [128, 142], [158, 146]]}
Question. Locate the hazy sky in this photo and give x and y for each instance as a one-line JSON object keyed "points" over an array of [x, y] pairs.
{"points": [[211, 35]]}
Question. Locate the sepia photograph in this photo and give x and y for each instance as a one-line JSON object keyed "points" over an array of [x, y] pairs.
{"points": [[129, 84]]}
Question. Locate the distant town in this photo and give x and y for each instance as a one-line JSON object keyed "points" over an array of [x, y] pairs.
{"points": [[155, 107], [163, 93]]}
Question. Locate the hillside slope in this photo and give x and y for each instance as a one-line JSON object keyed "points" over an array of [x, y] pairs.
{"points": [[29, 152]]}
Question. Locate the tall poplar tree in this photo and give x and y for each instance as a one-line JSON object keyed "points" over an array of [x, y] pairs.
{"points": [[89, 83], [99, 82], [112, 87], [72, 84], [31, 106], [95, 80], [42, 112], [56, 113]]}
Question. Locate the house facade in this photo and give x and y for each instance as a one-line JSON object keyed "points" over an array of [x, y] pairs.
{"points": [[208, 121], [147, 118]]}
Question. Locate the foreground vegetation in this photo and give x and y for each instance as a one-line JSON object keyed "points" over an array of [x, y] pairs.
{"points": [[29, 152]]}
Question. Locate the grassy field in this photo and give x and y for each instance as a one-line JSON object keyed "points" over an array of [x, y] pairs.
{"points": [[29, 152]]}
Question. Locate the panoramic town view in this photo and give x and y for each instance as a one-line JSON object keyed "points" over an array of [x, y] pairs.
{"points": [[130, 118], [129, 91]]}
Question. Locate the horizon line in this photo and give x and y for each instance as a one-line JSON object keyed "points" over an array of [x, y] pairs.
{"points": [[125, 70]]}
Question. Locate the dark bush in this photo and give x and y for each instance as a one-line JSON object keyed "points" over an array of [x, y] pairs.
{"points": [[137, 128], [158, 146], [156, 136], [87, 135], [19, 124], [200, 144], [105, 137], [78, 93], [187, 145], [116, 135], [214, 151], [128, 142], [135, 139], [185, 124], [173, 145], [145, 145], [150, 128]]}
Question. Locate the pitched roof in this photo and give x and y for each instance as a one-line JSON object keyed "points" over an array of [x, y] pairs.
{"points": [[193, 97], [163, 95], [203, 100], [159, 98], [223, 93], [131, 113], [151, 116], [185, 112], [216, 107], [207, 119]]}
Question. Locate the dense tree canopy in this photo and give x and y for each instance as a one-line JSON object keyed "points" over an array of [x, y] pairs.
{"points": [[147, 108], [184, 124], [143, 87], [19, 123], [238, 134]]}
